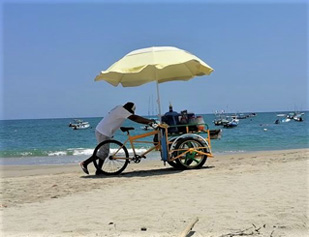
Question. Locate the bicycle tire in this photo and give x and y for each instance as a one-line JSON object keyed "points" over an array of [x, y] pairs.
{"points": [[112, 166], [190, 160]]}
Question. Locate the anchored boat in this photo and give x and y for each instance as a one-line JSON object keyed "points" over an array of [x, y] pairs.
{"points": [[79, 124]]}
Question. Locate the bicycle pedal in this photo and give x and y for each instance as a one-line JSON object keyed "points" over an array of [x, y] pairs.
{"points": [[137, 159]]}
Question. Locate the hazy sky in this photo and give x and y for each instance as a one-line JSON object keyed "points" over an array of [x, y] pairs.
{"points": [[52, 51]]}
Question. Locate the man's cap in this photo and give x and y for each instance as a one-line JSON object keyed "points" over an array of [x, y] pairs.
{"points": [[130, 106]]}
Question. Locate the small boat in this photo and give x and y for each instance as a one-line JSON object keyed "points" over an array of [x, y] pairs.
{"points": [[298, 117], [252, 115], [221, 122], [79, 124], [218, 122], [285, 118], [220, 119], [242, 116], [232, 123], [215, 133], [146, 127]]}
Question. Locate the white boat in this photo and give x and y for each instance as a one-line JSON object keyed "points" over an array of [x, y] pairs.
{"points": [[220, 118], [146, 127], [285, 120], [298, 117], [79, 124], [232, 123]]}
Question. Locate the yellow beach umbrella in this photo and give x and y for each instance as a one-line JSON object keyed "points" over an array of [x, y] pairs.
{"points": [[159, 64]]}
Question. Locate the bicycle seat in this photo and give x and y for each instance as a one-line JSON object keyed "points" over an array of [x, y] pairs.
{"points": [[125, 129]]}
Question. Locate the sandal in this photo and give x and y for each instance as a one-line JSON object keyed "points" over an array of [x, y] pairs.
{"points": [[83, 168]]}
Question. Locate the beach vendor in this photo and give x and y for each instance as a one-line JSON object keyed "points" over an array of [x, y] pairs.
{"points": [[107, 127]]}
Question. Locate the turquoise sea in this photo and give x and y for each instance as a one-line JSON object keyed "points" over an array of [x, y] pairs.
{"points": [[52, 141]]}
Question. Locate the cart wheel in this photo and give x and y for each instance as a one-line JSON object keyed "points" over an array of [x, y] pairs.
{"points": [[190, 160], [117, 157], [173, 163]]}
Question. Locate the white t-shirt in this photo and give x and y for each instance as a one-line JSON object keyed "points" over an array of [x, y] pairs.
{"points": [[113, 121]]}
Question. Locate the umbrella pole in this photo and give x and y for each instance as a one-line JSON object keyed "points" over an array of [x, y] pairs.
{"points": [[158, 101]]}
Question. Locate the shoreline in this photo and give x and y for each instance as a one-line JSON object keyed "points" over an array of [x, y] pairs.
{"points": [[70, 160], [58, 168], [231, 192]]}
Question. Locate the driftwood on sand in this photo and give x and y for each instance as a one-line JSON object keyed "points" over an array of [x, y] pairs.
{"points": [[188, 228]]}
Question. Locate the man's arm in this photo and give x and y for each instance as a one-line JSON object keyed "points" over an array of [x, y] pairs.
{"points": [[139, 119]]}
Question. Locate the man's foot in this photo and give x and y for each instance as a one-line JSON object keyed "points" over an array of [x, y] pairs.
{"points": [[84, 168], [99, 172]]}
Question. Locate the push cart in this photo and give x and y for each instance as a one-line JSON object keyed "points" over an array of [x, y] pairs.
{"points": [[186, 150]]}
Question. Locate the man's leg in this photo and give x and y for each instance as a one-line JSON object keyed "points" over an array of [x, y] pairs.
{"points": [[103, 152], [102, 155], [100, 164], [85, 163]]}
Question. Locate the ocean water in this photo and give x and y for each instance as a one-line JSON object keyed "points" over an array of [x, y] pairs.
{"points": [[52, 141]]}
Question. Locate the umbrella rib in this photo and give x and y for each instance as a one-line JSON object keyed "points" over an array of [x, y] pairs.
{"points": [[189, 68]]}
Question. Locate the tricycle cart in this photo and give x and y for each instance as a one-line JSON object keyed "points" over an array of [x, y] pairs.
{"points": [[188, 150]]}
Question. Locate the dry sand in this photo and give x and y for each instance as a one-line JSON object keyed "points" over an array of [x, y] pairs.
{"points": [[253, 194]]}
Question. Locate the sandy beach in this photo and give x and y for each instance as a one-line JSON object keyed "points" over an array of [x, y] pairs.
{"points": [[246, 194]]}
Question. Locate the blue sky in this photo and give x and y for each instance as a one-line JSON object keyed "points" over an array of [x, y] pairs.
{"points": [[52, 51]]}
